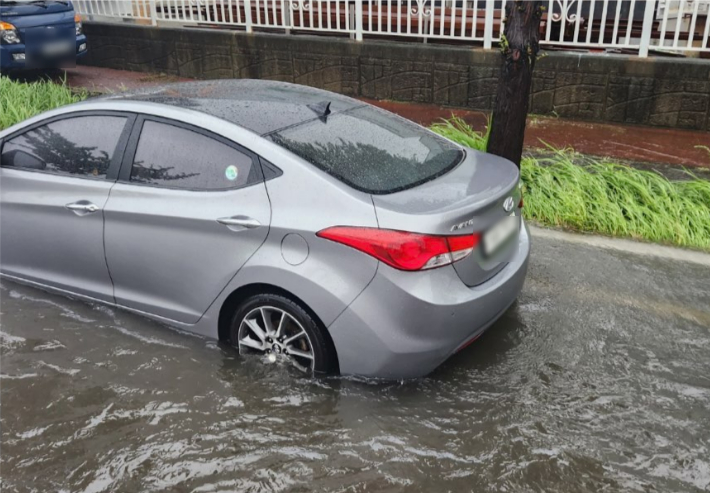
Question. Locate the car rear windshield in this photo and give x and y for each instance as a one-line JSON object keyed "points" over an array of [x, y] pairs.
{"points": [[371, 150]]}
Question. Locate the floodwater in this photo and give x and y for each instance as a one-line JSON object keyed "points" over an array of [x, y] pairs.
{"points": [[598, 379]]}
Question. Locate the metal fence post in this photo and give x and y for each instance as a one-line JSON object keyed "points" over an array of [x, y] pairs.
{"points": [[358, 20], [153, 13], [648, 20], [488, 26], [286, 17], [247, 14]]}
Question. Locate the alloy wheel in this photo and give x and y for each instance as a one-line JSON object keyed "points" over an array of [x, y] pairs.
{"points": [[277, 335]]}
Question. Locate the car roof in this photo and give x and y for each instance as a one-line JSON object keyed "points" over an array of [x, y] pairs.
{"points": [[258, 105]]}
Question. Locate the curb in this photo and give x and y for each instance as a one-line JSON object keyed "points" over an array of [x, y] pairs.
{"points": [[622, 245]]}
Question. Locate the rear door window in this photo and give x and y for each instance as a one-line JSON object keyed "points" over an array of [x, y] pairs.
{"points": [[371, 150], [77, 146], [175, 157]]}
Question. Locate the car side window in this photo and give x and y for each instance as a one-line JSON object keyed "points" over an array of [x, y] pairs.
{"points": [[80, 146], [176, 157]]}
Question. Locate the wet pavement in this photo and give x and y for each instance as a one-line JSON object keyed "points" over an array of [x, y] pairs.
{"points": [[598, 379], [635, 143]]}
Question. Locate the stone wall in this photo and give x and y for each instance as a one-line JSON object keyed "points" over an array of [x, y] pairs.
{"points": [[667, 92]]}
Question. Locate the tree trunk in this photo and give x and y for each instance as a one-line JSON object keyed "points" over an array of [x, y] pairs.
{"points": [[519, 46]]}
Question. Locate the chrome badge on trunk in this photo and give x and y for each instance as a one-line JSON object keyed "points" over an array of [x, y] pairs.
{"points": [[508, 204]]}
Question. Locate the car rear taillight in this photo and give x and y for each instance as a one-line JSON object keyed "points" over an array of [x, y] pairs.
{"points": [[403, 250]]}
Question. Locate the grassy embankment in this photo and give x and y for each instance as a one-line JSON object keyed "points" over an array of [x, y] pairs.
{"points": [[19, 100], [605, 197]]}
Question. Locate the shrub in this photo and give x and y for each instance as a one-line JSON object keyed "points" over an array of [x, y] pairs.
{"points": [[605, 197], [21, 100]]}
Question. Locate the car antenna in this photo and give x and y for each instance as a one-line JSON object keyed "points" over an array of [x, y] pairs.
{"points": [[321, 109]]}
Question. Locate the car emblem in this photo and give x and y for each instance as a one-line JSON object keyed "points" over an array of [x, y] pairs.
{"points": [[508, 204]]}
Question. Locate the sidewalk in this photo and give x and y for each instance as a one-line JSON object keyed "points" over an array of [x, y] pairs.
{"points": [[628, 142]]}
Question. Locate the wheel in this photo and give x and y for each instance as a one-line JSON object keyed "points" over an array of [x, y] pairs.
{"points": [[280, 330]]}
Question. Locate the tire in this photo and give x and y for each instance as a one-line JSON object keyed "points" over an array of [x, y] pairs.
{"points": [[272, 306]]}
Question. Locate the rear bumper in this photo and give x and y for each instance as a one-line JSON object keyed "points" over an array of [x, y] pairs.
{"points": [[404, 325], [7, 61]]}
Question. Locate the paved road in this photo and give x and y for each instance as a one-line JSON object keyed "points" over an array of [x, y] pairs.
{"points": [[597, 380]]}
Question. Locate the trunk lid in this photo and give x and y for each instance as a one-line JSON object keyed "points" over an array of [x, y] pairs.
{"points": [[469, 199]]}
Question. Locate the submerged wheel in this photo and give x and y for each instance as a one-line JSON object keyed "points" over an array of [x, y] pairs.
{"points": [[278, 329]]}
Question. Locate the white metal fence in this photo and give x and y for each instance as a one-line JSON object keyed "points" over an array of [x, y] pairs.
{"points": [[664, 25]]}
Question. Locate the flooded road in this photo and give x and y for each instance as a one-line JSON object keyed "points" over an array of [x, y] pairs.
{"points": [[598, 379]]}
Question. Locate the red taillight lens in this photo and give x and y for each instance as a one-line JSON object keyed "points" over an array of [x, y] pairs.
{"points": [[403, 250], [462, 246]]}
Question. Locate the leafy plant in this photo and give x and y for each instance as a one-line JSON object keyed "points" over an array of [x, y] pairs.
{"points": [[458, 130], [21, 100], [705, 148], [605, 197]]}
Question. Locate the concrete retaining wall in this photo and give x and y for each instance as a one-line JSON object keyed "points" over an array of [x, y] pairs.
{"points": [[655, 91]]}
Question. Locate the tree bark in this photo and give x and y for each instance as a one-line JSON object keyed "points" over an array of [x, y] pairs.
{"points": [[520, 45]]}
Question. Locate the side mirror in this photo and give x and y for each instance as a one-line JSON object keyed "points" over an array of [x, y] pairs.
{"points": [[22, 159]]}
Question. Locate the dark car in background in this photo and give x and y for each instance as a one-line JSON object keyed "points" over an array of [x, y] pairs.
{"points": [[39, 34]]}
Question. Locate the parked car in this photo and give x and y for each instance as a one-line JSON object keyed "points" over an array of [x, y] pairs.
{"points": [[39, 34], [294, 223]]}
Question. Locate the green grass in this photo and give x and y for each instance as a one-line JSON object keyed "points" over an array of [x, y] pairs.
{"points": [[21, 100], [605, 197], [705, 148], [459, 131]]}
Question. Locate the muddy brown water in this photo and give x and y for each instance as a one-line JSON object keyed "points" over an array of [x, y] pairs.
{"points": [[598, 379]]}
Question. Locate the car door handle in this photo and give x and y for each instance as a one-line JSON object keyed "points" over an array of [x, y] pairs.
{"points": [[244, 222], [82, 207]]}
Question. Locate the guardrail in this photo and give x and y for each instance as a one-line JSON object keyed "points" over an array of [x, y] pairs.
{"points": [[631, 25]]}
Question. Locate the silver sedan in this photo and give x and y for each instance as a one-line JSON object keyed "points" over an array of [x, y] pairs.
{"points": [[299, 225]]}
